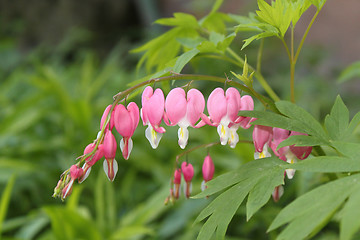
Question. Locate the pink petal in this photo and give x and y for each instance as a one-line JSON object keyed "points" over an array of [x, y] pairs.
{"points": [[188, 171], [216, 105], [75, 172], [177, 176], [109, 145], [195, 106], [97, 155], [233, 103], [261, 135], [123, 121], [175, 105], [208, 168], [133, 110], [300, 152], [104, 116]]}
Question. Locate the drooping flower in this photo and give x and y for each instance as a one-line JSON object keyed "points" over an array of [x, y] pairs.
{"points": [[188, 172], [208, 169], [75, 173], [91, 160], [291, 153], [109, 147], [152, 112], [277, 193], [262, 136], [126, 120], [184, 110], [223, 110], [104, 116], [177, 183]]}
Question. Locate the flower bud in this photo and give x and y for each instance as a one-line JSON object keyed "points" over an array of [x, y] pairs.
{"points": [[188, 173]]}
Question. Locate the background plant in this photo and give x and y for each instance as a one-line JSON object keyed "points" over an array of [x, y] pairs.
{"points": [[127, 213]]}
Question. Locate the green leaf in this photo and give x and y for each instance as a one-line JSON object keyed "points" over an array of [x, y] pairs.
{"points": [[132, 232], [350, 222], [69, 224], [5, 200], [279, 14], [355, 121], [313, 209], [327, 164], [179, 19], [311, 126], [216, 6], [318, 3], [184, 59], [258, 177], [348, 149], [351, 72], [256, 37], [298, 8], [338, 120], [300, 141], [263, 189]]}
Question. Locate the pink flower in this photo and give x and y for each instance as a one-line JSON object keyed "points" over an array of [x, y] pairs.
{"points": [[177, 182], [104, 116], [75, 173], [91, 160], [188, 173], [208, 169], [126, 120], [184, 110], [262, 136], [277, 193], [152, 112], [109, 147], [223, 110], [291, 153]]}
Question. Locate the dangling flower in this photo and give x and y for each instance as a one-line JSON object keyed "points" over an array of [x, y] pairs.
{"points": [[152, 112], [223, 110], [91, 160], [184, 110], [262, 136], [104, 116], [75, 173], [289, 154], [188, 173], [208, 169], [109, 147], [177, 182], [277, 193], [126, 120]]}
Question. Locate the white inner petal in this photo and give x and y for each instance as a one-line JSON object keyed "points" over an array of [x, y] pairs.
{"points": [[183, 134], [153, 136]]}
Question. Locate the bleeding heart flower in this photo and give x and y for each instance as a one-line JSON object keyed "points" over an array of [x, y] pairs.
{"points": [[152, 113], [126, 120], [188, 173], [208, 169], [184, 110], [75, 173], [262, 136], [91, 160], [177, 182], [109, 147], [104, 116]]}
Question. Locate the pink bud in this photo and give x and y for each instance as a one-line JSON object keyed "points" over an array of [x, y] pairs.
{"points": [[188, 171], [97, 155], [208, 168], [75, 172], [177, 182]]}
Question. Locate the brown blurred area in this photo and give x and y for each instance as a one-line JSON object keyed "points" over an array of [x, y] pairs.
{"points": [[337, 28]]}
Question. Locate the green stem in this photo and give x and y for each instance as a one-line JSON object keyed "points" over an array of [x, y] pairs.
{"points": [[305, 35], [286, 48], [292, 67], [257, 74], [259, 56]]}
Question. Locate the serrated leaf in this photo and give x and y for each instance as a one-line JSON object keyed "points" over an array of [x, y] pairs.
{"points": [[350, 221], [349, 73], [263, 189], [313, 209], [184, 58], [252, 176], [338, 120], [327, 164], [179, 19], [256, 37], [293, 111], [298, 8], [355, 121]]}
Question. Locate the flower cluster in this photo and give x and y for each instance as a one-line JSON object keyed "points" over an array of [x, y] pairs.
{"points": [[265, 137], [185, 109]]}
